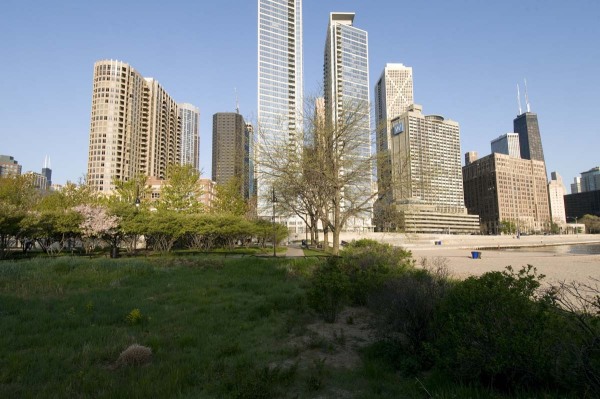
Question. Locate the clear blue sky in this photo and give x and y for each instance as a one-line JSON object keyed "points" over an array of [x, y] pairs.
{"points": [[467, 57]]}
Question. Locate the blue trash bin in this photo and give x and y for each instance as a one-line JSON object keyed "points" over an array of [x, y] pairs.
{"points": [[476, 254]]}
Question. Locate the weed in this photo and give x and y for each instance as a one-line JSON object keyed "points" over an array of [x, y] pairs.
{"points": [[135, 316], [316, 376]]}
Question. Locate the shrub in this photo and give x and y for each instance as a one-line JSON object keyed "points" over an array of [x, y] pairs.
{"points": [[369, 264], [497, 329], [329, 288], [405, 307]]}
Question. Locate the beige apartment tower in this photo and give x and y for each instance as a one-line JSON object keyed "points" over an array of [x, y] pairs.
{"points": [[501, 188], [134, 127]]}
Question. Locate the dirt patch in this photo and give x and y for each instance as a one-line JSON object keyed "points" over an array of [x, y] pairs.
{"points": [[334, 344]]}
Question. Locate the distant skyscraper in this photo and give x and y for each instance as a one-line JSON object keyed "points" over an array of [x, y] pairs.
{"points": [[280, 86], [470, 157], [47, 172], [230, 156], [393, 95], [576, 185], [530, 141], [189, 116], [9, 166], [134, 127], [501, 188], [427, 180], [556, 195], [507, 144], [589, 181], [346, 86]]}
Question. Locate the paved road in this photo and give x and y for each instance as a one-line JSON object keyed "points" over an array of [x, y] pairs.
{"points": [[294, 251]]}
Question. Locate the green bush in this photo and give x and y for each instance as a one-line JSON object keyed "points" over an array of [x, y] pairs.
{"points": [[329, 289], [369, 264], [404, 309], [497, 329]]}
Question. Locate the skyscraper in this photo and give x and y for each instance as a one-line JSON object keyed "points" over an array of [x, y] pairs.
{"points": [[189, 115], [556, 195], [426, 171], [9, 166], [346, 90], [507, 144], [530, 141], [230, 150], [393, 95], [280, 86], [134, 126], [47, 171]]}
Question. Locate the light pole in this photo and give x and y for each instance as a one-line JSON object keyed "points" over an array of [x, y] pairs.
{"points": [[274, 200], [575, 226]]}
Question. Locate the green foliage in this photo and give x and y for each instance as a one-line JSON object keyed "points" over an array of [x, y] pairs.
{"points": [[368, 264], [497, 329], [508, 227], [181, 192], [134, 317], [592, 223], [229, 198], [162, 228], [329, 289]]}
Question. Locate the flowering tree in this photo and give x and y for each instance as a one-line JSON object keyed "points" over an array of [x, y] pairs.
{"points": [[97, 225]]}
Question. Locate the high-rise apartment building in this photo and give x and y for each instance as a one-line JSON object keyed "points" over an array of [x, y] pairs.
{"points": [[507, 144], [9, 166], [230, 150], [426, 173], [189, 115], [393, 95], [280, 87], [346, 92], [526, 125], [556, 195], [471, 157], [590, 180], [500, 188], [134, 126]]}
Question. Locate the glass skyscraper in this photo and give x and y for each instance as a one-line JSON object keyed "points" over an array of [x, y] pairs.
{"points": [[190, 139], [280, 87], [346, 89]]}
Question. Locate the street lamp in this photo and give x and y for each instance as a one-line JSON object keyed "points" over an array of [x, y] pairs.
{"points": [[274, 200]]}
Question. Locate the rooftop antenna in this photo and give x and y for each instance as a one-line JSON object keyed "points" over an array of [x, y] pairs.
{"points": [[527, 97], [237, 102], [47, 162], [519, 100]]}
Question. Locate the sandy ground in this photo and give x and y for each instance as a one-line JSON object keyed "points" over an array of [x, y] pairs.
{"points": [[457, 249]]}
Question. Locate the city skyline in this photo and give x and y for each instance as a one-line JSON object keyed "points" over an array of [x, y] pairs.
{"points": [[52, 48]]}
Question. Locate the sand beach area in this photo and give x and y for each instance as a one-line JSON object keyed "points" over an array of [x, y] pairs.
{"points": [[546, 253]]}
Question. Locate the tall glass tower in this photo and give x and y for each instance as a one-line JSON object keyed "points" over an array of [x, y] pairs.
{"points": [[346, 89], [280, 87], [190, 134]]}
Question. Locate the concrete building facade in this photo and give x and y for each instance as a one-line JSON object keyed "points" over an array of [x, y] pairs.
{"points": [[556, 195], [134, 127], [189, 115], [393, 95], [427, 184], [230, 150], [501, 188], [9, 166], [507, 144]]}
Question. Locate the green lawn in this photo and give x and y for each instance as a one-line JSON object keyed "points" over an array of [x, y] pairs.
{"points": [[214, 325]]}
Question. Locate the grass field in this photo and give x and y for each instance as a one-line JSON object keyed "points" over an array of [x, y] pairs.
{"points": [[218, 328]]}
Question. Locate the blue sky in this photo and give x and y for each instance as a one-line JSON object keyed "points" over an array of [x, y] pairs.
{"points": [[467, 57]]}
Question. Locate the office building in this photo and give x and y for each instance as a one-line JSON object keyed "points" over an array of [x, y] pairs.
{"points": [[38, 180], [530, 141], [556, 195], [9, 166], [580, 204], [280, 88], [346, 92], [134, 127], [507, 144], [470, 157], [576, 185], [500, 188], [47, 171], [230, 154], [426, 174], [393, 95], [588, 181], [189, 115]]}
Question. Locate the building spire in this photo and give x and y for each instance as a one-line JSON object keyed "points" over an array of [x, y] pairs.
{"points": [[519, 100], [527, 97]]}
